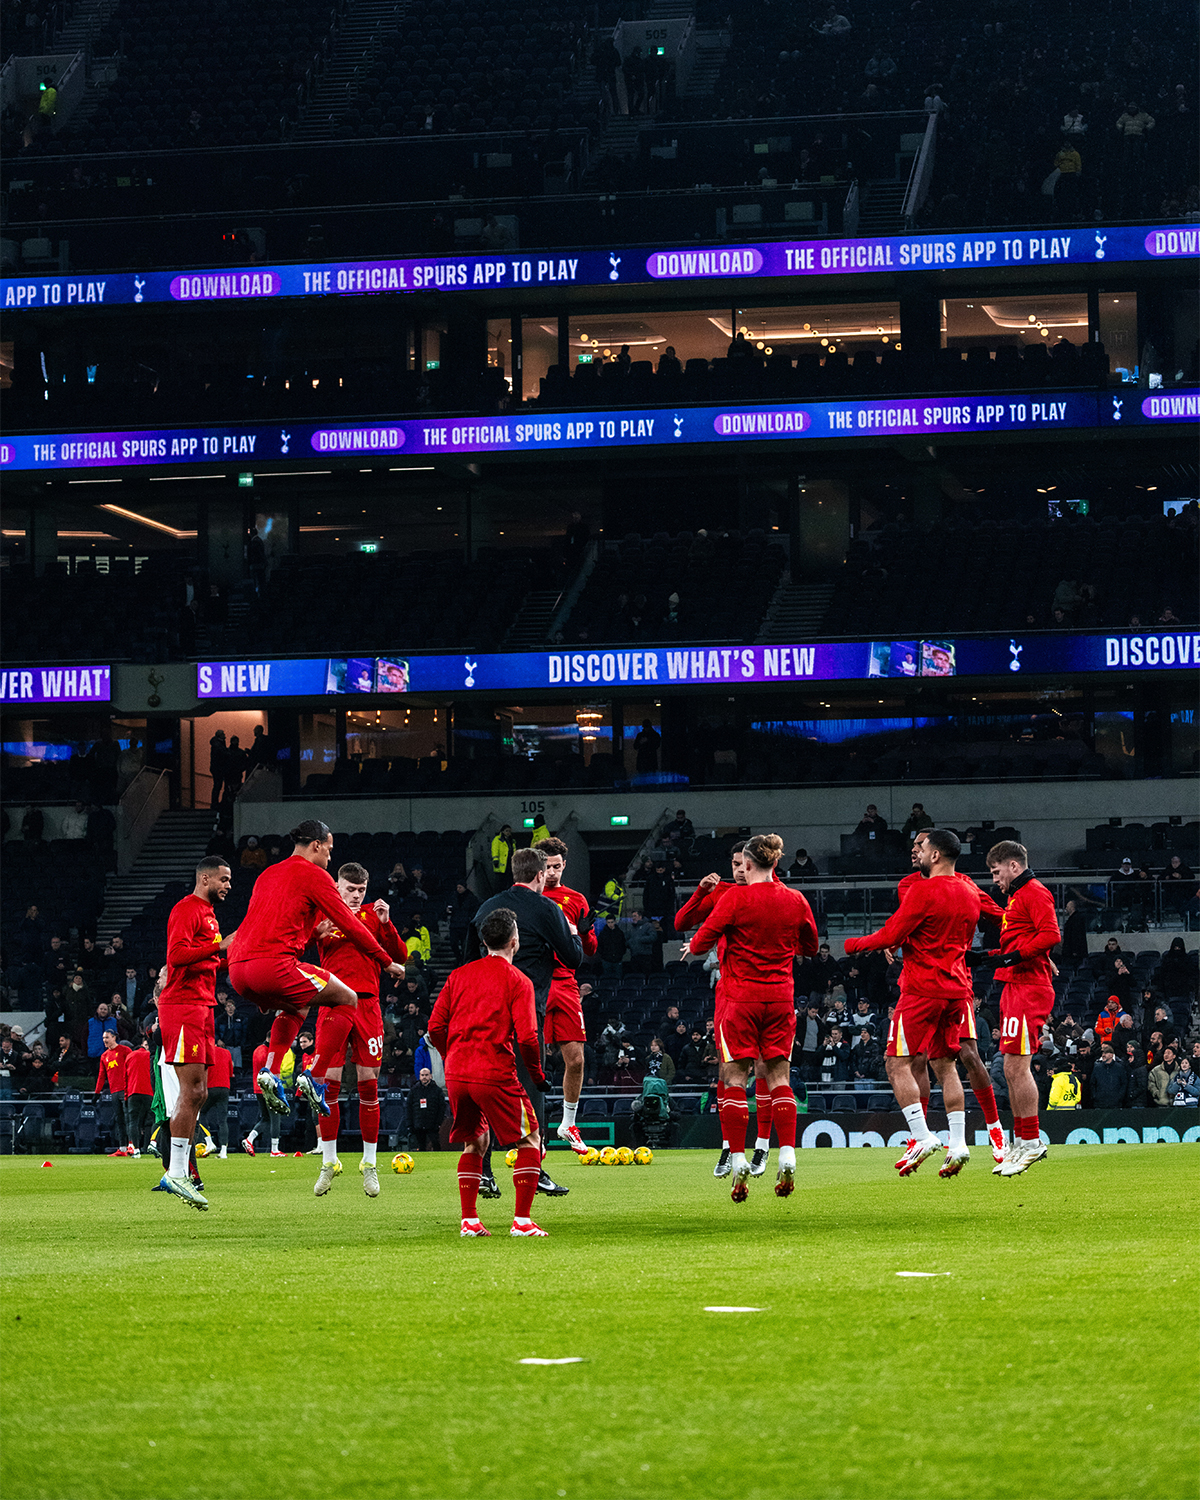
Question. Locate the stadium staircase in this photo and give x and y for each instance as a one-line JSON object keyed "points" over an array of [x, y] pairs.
{"points": [[176, 842], [711, 47], [882, 210], [356, 36], [796, 612], [531, 627]]}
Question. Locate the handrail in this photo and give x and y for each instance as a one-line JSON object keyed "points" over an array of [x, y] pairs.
{"points": [[921, 175], [136, 826]]}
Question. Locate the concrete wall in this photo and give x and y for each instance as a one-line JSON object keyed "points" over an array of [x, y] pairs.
{"points": [[1052, 816]]}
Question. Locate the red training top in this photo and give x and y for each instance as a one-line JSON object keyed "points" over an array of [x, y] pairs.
{"points": [[934, 924], [481, 1006], [988, 911], [574, 907], [220, 1070], [112, 1070], [260, 1062], [287, 902], [350, 963], [193, 953], [1030, 928], [765, 926], [138, 1079]]}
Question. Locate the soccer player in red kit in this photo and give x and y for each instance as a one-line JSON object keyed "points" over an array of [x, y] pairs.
{"points": [[690, 915], [288, 901], [1027, 933], [112, 1076], [482, 1007], [564, 1014], [195, 951], [139, 1094], [968, 1037], [765, 925], [361, 1027], [935, 924]]}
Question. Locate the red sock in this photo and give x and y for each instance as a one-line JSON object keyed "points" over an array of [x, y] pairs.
{"points": [[327, 1128], [986, 1099], [783, 1113], [470, 1168], [925, 1105], [285, 1028], [1026, 1127], [735, 1119], [525, 1180], [721, 1112], [368, 1110], [762, 1103]]}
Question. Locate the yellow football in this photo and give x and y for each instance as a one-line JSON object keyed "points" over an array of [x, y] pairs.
{"points": [[402, 1162], [608, 1157], [643, 1156], [624, 1156], [590, 1157], [511, 1158]]}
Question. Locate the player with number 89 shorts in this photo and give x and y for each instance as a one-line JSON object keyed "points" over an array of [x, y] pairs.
{"points": [[361, 1026]]}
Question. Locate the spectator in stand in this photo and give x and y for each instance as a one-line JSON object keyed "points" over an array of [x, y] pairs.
{"points": [[253, 856], [881, 67], [691, 1066], [1107, 1019], [11, 1071], [461, 912], [98, 1024], [230, 1029], [39, 1076], [833, 1061], [819, 975], [834, 23], [1074, 127], [1066, 1091], [645, 944], [1184, 1088], [866, 1058], [1161, 1076], [1179, 883], [1122, 878], [611, 1039], [659, 1063], [676, 1043], [33, 825], [1134, 1059], [502, 852], [1110, 1081], [645, 749], [75, 822], [916, 821], [864, 1016], [810, 1038], [678, 836], [426, 1110], [67, 1061], [668, 365], [658, 897], [1074, 937], [611, 948], [410, 1028], [626, 1074], [837, 1015], [871, 825], [1069, 165], [1176, 976]]}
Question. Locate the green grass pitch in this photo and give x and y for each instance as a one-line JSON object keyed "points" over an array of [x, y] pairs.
{"points": [[280, 1347]]}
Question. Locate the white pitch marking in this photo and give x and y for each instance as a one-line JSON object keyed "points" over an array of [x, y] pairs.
{"points": [[924, 1273], [733, 1309], [572, 1359]]}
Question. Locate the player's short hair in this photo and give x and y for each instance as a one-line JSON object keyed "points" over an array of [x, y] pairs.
{"points": [[737, 848], [552, 846], [212, 862], [1007, 849], [499, 927], [354, 874], [526, 864], [945, 841], [311, 831], [765, 849]]}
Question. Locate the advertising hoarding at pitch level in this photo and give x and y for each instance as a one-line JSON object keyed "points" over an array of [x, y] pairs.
{"points": [[661, 667], [565, 432], [629, 266]]}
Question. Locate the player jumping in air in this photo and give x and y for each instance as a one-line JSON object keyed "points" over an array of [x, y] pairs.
{"points": [[195, 951], [564, 1014], [765, 925], [362, 1027], [288, 901], [690, 915], [482, 1006], [935, 923], [977, 1075], [1027, 933]]}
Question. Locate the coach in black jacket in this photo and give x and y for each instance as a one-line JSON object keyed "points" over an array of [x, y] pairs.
{"points": [[544, 935]]}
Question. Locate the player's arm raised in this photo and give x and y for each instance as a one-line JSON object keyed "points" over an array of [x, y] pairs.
{"points": [[325, 895], [719, 920], [698, 905], [808, 938]]}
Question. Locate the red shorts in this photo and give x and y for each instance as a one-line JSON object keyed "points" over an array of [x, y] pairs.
{"points": [[188, 1034], [361, 1025], [488, 1104], [756, 1028], [967, 1031], [929, 1024], [278, 983], [564, 1014], [1024, 1010]]}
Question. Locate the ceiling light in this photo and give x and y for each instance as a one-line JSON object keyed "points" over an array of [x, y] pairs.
{"points": [[132, 515]]}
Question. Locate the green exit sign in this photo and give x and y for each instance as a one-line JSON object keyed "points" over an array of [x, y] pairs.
{"points": [[527, 823], [433, 364], [368, 546], [245, 481], [619, 820]]}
